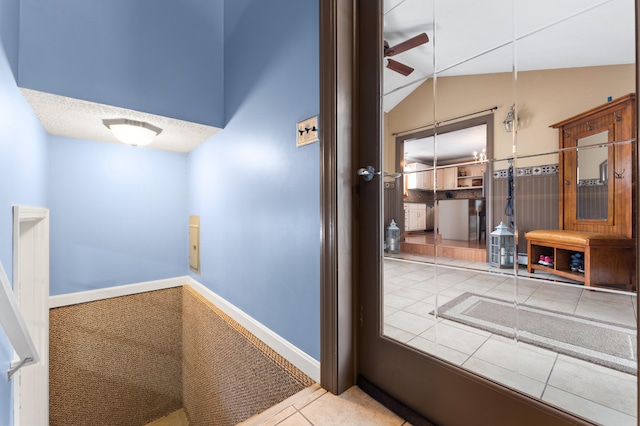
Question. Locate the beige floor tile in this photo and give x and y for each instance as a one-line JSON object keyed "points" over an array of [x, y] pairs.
{"points": [[353, 407], [412, 293], [396, 301], [588, 409], [409, 322], [296, 419], [616, 308], [278, 418], [177, 418], [309, 399], [506, 293], [454, 338], [441, 351], [422, 309], [419, 275], [390, 287], [286, 408], [517, 358], [453, 292], [507, 377], [397, 334], [388, 310], [609, 388], [473, 287]]}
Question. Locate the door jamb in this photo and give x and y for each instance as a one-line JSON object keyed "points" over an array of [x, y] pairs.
{"points": [[38, 402], [338, 337]]}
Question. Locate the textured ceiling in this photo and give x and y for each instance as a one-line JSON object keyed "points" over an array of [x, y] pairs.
{"points": [[80, 119], [476, 37]]}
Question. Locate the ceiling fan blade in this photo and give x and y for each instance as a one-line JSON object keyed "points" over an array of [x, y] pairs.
{"points": [[406, 45], [398, 67]]}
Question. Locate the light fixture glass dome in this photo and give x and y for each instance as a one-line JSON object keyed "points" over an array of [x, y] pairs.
{"points": [[131, 132]]}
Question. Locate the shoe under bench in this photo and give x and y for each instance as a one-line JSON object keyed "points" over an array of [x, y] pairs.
{"points": [[609, 260]]}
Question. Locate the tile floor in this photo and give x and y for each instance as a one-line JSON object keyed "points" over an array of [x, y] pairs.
{"points": [[313, 406], [316, 406], [600, 394]]}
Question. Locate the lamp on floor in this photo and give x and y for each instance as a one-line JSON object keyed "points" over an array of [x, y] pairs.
{"points": [[501, 247]]}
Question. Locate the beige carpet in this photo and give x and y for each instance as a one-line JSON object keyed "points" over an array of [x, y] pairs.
{"points": [[116, 361], [131, 360], [607, 344], [228, 374]]}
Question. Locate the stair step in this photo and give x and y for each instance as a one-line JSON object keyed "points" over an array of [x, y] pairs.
{"points": [[177, 418]]}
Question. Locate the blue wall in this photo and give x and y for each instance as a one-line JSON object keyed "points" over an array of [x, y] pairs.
{"points": [[162, 57], [118, 214], [23, 166], [256, 192]]}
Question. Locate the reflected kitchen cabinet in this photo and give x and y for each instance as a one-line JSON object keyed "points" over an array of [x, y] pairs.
{"points": [[447, 178], [471, 176], [418, 176], [415, 217]]}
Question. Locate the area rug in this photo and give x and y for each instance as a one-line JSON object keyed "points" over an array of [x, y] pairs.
{"points": [[607, 344]]}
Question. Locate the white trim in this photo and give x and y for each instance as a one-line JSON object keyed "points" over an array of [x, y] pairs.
{"points": [[31, 288], [291, 353], [110, 292], [13, 324]]}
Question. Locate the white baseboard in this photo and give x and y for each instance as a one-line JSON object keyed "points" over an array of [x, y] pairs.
{"points": [[109, 292], [291, 353]]}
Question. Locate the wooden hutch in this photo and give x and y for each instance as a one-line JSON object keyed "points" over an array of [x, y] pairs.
{"points": [[596, 199]]}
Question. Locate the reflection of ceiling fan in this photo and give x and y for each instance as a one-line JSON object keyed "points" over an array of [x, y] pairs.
{"points": [[403, 47]]}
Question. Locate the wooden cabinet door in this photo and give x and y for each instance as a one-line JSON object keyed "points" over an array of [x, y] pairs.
{"points": [[447, 178], [427, 179]]}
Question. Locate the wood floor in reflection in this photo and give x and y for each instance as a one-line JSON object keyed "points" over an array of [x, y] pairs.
{"points": [[424, 243]]}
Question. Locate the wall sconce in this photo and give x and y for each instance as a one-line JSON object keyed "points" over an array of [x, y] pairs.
{"points": [[511, 117], [480, 157], [131, 132]]}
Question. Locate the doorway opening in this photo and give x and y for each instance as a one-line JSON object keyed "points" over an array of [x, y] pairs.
{"points": [[440, 204]]}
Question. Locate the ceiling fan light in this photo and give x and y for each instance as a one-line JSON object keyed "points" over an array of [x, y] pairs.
{"points": [[131, 132]]}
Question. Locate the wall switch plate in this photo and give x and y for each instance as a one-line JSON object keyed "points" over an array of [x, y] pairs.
{"points": [[307, 131]]}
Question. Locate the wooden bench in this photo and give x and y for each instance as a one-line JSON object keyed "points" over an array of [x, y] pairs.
{"points": [[609, 260]]}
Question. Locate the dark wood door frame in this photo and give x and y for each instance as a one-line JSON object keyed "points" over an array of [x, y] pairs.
{"points": [[337, 133], [340, 23]]}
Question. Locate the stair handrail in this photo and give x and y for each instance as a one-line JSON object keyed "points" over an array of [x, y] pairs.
{"points": [[14, 326]]}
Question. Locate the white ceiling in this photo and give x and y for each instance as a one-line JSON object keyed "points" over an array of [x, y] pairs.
{"points": [[548, 34], [80, 119], [450, 146], [471, 37]]}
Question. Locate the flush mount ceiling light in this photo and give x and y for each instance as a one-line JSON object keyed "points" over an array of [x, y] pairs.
{"points": [[131, 132]]}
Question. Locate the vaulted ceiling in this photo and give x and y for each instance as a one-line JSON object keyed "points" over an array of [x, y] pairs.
{"points": [[470, 37]]}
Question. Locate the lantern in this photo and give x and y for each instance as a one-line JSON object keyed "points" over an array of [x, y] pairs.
{"points": [[501, 247], [393, 238]]}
